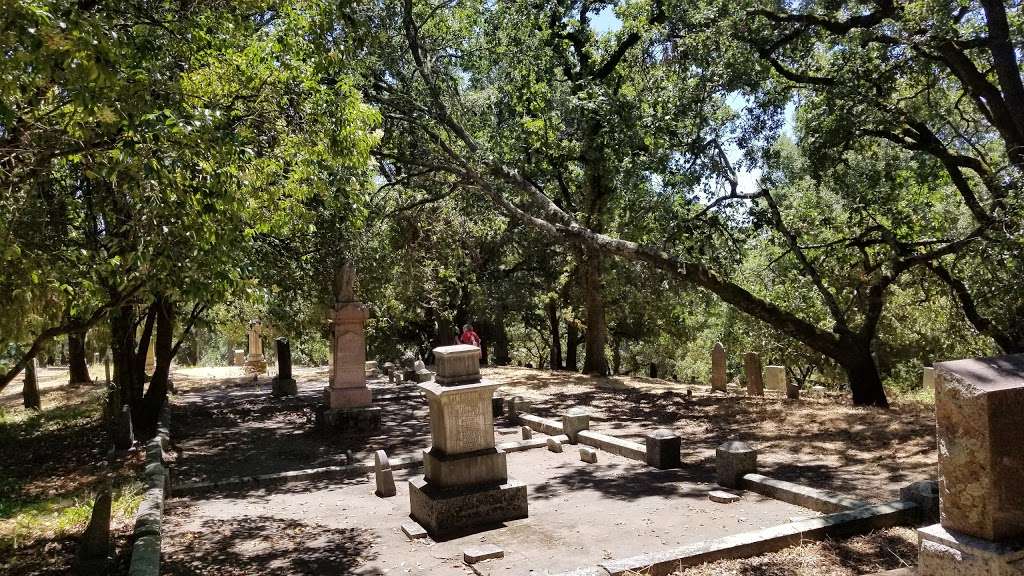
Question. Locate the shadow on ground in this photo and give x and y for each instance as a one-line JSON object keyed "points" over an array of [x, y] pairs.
{"points": [[266, 545]]}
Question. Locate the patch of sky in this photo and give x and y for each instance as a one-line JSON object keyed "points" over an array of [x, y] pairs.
{"points": [[605, 21]]}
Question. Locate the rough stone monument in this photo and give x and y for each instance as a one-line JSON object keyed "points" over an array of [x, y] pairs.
{"points": [[718, 377], [256, 361], [775, 378], [284, 384], [754, 373], [237, 357], [94, 547], [465, 486], [347, 399], [979, 413]]}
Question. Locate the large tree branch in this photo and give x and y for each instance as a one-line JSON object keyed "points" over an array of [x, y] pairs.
{"points": [[73, 325]]}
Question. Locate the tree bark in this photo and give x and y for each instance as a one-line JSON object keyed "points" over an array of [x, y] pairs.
{"points": [[122, 353], [572, 344], [556, 337], [30, 388], [862, 371], [502, 357], [156, 393], [139, 359], [78, 366], [595, 360]]}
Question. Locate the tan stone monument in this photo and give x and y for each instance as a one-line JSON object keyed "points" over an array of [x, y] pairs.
{"points": [[256, 361], [979, 413], [755, 374], [718, 376], [465, 486], [347, 399], [775, 378]]}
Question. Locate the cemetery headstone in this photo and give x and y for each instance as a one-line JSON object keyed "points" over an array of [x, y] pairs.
{"points": [[347, 399], [256, 361], [93, 555], [979, 413], [465, 483], [283, 384], [588, 455], [526, 432], [124, 437], [384, 475], [238, 357], [775, 378], [718, 375], [421, 373], [754, 373]]}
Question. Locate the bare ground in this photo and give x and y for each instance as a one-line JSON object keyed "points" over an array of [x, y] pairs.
{"points": [[227, 425]]}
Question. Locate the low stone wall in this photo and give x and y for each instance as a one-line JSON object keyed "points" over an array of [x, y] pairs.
{"points": [[149, 519], [618, 446], [803, 496], [744, 545], [542, 425]]}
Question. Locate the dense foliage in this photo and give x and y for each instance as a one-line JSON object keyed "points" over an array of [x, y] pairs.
{"points": [[606, 186]]}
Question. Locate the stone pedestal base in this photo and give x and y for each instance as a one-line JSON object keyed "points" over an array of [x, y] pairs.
{"points": [[284, 387], [947, 553], [447, 513], [347, 398], [256, 365], [485, 467], [361, 420]]}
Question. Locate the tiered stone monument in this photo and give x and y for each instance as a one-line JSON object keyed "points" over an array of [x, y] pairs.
{"points": [[465, 486], [256, 361], [348, 401], [979, 413], [754, 373], [284, 384], [718, 376]]}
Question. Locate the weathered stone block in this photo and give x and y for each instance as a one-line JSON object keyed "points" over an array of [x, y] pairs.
{"points": [[926, 495], [451, 512], [554, 445], [497, 406], [283, 387], [979, 409], [349, 420], [723, 497], [479, 468], [459, 364], [481, 553], [526, 431], [754, 372], [385, 483], [734, 459], [460, 416], [413, 531], [574, 421], [775, 378], [663, 447], [949, 553], [588, 455], [94, 547], [792, 390], [718, 374]]}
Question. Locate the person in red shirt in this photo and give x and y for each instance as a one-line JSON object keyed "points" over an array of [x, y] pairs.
{"points": [[469, 336]]}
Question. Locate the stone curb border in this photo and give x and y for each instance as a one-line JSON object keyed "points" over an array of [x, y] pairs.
{"points": [[617, 446], [327, 472], [822, 501], [746, 544], [147, 534]]}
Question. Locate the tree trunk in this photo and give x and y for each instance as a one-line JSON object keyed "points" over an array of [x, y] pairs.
{"points": [[572, 344], [596, 361], [122, 353], [616, 356], [156, 394], [30, 387], [139, 359], [865, 380], [556, 337], [502, 357], [78, 366]]}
